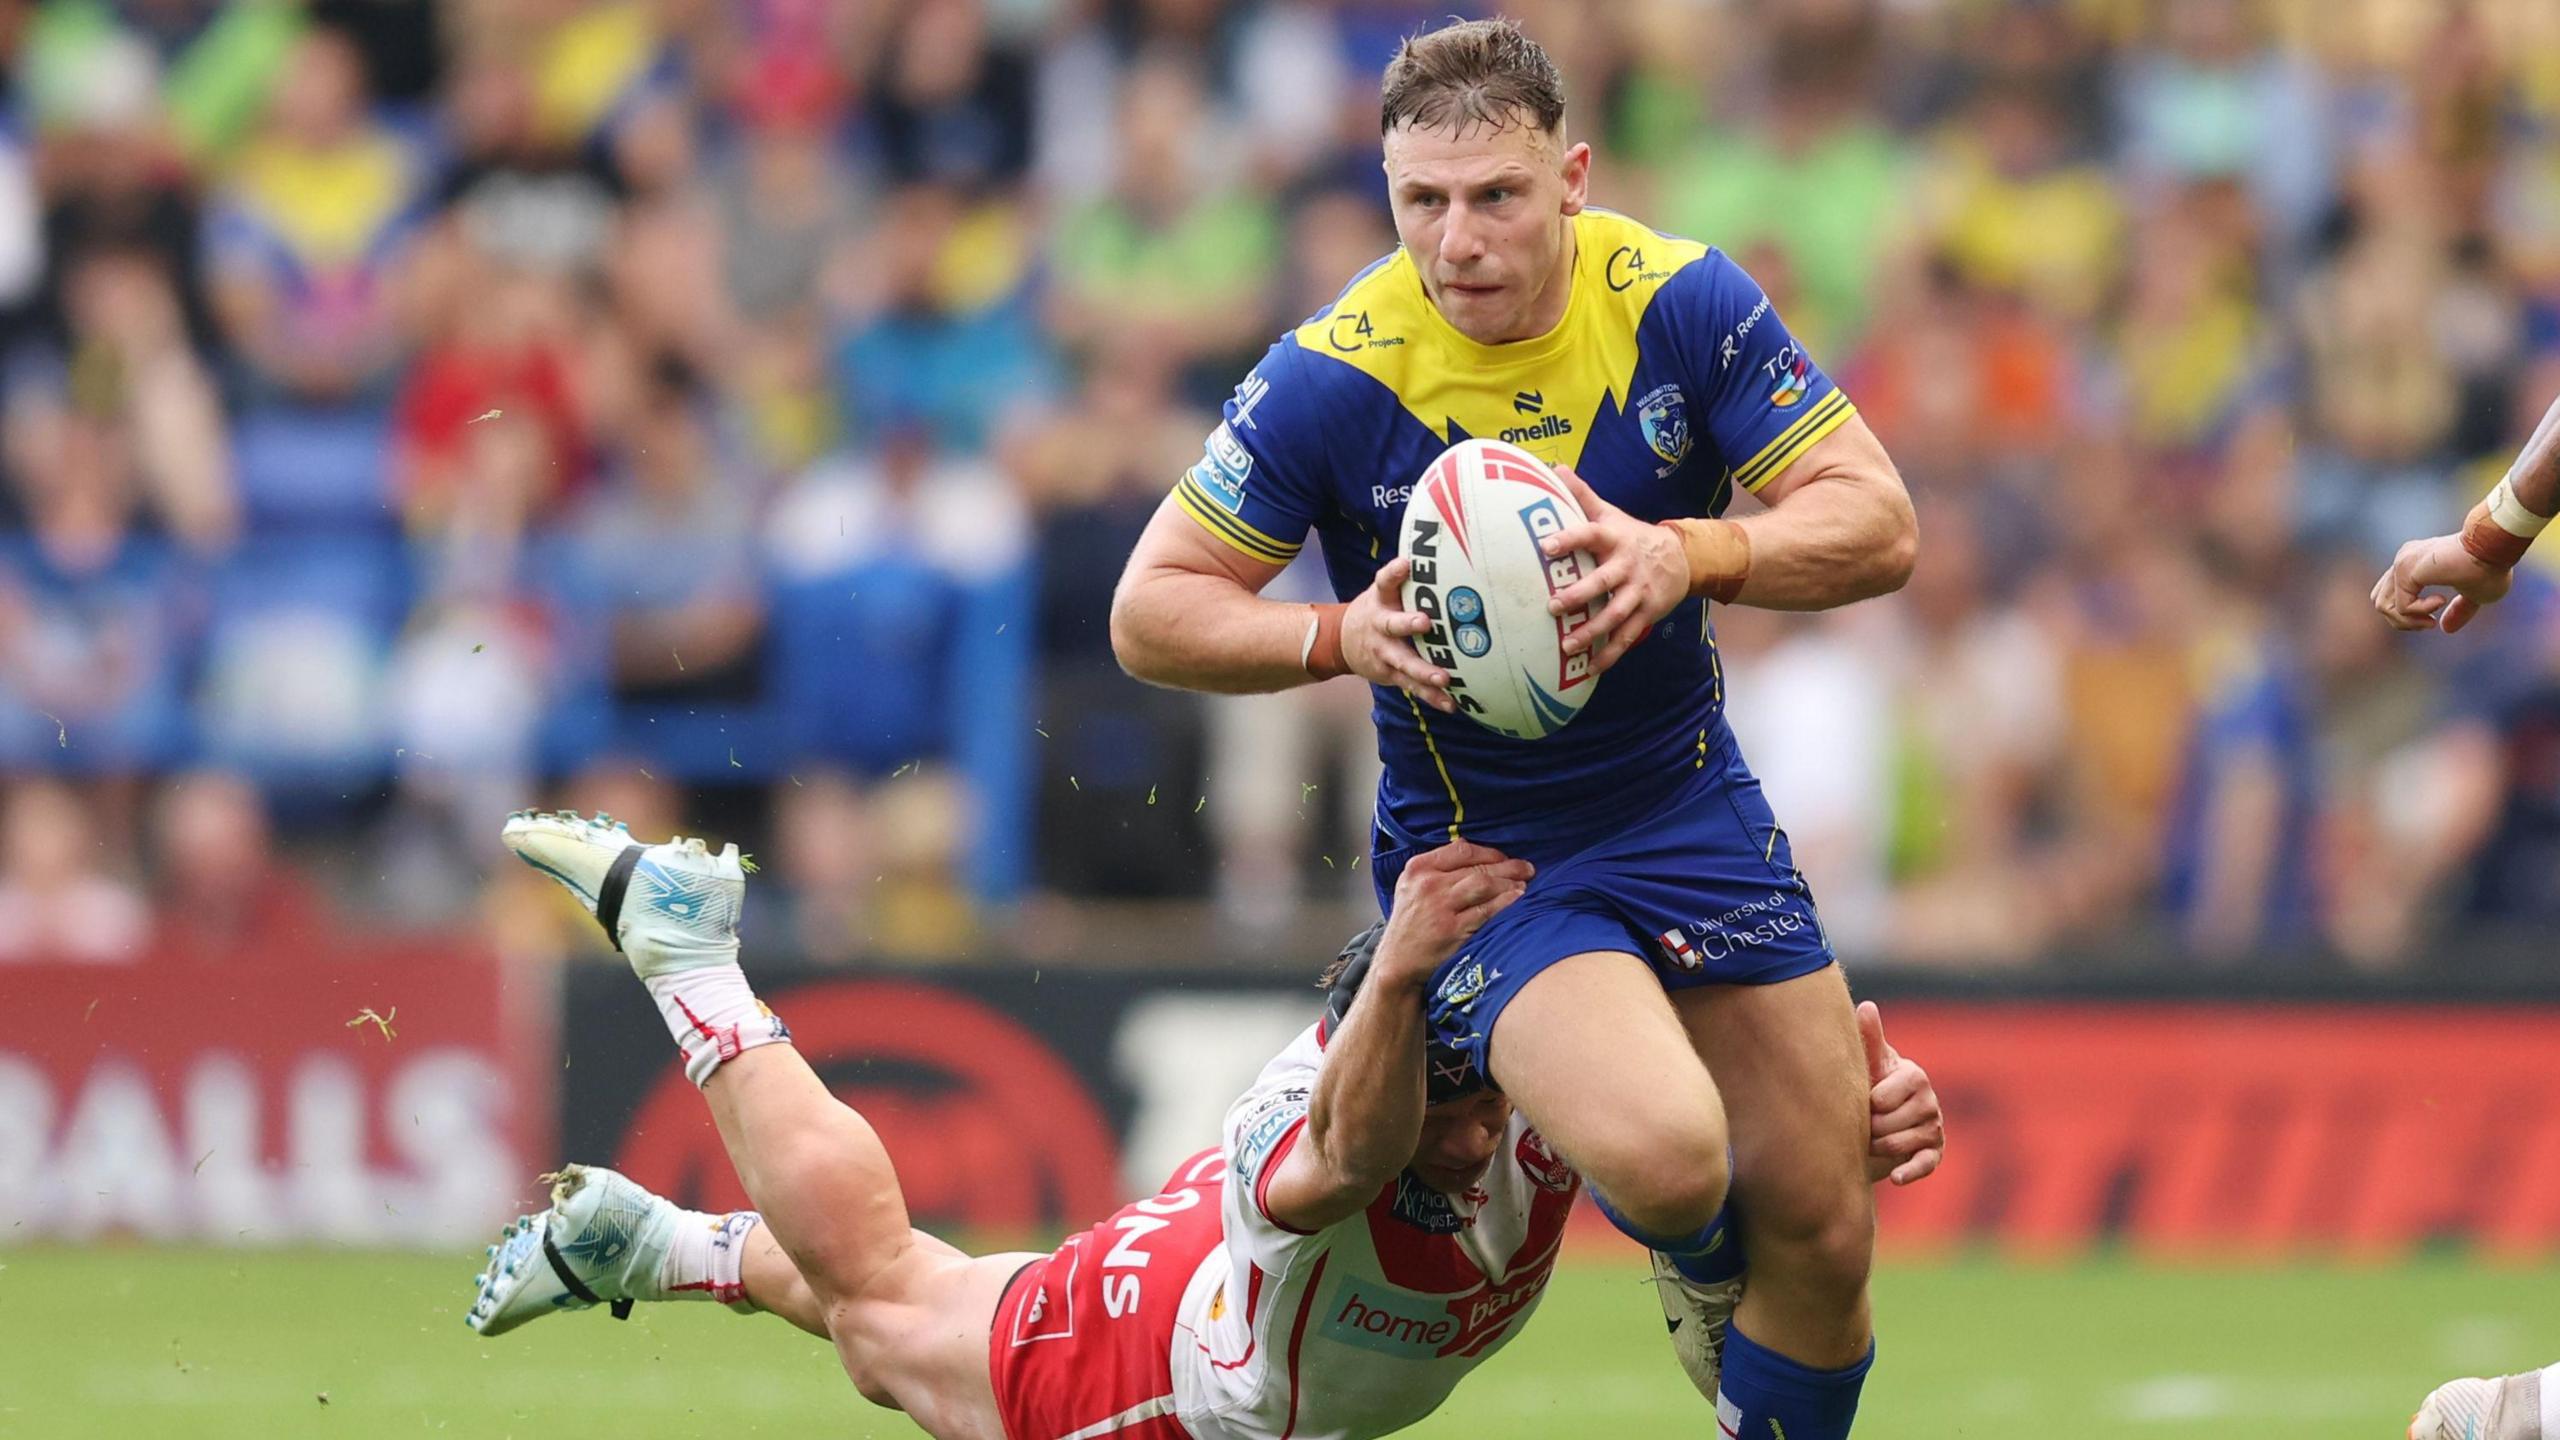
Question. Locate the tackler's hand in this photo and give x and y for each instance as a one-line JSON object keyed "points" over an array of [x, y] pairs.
{"points": [[1906, 1128], [1444, 896]]}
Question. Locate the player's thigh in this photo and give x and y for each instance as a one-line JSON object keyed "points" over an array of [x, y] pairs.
{"points": [[1591, 1051], [916, 1337], [1787, 1059]]}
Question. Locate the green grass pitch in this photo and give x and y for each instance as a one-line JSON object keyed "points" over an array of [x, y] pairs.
{"points": [[135, 1344]]}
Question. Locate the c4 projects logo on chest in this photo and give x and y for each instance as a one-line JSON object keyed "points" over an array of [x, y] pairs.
{"points": [[1352, 334]]}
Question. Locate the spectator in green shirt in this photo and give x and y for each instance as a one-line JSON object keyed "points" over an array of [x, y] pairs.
{"points": [[1169, 255]]}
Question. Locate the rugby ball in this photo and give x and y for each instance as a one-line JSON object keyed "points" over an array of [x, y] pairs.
{"points": [[1472, 529]]}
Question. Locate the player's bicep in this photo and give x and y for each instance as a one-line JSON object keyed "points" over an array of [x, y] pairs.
{"points": [[1275, 1198], [1175, 543], [1301, 1194], [1851, 453]]}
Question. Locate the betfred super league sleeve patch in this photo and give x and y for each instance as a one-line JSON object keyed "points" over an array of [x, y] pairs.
{"points": [[1222, 471], [1259, 1129], [1260, 473]]}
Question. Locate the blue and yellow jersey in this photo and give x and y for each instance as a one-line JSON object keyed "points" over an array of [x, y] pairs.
{"points": [[1669, 381]]}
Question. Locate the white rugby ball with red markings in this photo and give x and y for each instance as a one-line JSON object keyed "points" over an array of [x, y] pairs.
{"points": [[1472, 530]]}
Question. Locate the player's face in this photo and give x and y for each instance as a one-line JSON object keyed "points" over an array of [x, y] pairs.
{"points": [[1485, 214], [1459, 1139]]}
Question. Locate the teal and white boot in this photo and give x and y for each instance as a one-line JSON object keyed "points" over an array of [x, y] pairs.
{"points": [[668, 908], [672, 910], [602, 1242], [2502, 1407]]}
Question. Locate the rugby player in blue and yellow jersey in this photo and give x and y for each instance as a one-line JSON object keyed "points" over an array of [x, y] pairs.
{"points": [[1662, 1003]]}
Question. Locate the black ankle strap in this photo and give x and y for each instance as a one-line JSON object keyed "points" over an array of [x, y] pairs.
{"points": [[560, 1266], [617, 880]]}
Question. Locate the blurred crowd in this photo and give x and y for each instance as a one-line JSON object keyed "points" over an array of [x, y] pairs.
{"points": [[733, 414]]}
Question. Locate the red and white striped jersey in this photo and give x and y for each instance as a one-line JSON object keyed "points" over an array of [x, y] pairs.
{"points": [[1362, 1328]]}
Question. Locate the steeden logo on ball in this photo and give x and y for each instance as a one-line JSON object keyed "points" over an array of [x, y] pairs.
{"points": [[1472, 530]]}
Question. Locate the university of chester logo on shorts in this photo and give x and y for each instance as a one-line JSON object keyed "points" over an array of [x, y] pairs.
{"points": [[1675, 943], [1664, 414]]}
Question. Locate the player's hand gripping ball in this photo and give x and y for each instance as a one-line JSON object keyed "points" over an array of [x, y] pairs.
{"points": [[1471, 534]]}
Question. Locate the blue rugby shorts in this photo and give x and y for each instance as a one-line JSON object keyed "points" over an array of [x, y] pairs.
{"points": [[1702, 887]]}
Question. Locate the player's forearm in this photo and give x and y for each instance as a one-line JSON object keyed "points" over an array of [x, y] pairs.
{"points": [[1366, 1113], [1834, 541], [2535, 477], [2506, 521], [1205, 632]]}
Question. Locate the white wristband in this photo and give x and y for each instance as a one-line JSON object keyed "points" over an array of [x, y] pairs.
{"points": [[2509, 514], [1307, 647]]}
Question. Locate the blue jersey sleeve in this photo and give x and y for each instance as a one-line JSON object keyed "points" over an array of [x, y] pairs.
{"points": [[1259, 483], [1767, 402]]}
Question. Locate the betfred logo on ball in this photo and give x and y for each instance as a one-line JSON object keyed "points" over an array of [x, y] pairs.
{"points": [[1562, 571], [1472, 531]]}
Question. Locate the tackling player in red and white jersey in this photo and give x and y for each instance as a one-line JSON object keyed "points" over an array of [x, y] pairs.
{"points": [[1374, 1224], [2476, 564]]}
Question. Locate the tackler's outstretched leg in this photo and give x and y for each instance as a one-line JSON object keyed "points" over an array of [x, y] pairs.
{"points": [[907, 1313]]}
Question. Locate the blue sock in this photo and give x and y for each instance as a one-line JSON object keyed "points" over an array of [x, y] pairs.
{"points": [[1711, 1255], [1766, 1396]]}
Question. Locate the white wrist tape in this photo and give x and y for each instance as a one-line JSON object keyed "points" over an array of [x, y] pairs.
{"points": [[2509, 514], [1307, 647]]}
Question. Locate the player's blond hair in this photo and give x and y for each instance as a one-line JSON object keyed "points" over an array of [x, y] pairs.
{"points": [[1476, 72]]}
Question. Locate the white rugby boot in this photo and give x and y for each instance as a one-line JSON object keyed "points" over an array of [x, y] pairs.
{"points": [[1698, 1315], [2505, 1407], [668, 908], [672, 910], [601, 1243]]}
